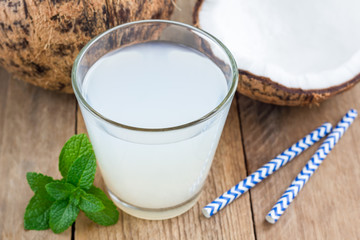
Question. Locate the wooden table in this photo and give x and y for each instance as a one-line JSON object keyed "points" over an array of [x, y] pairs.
{"points": [[34, 125]]}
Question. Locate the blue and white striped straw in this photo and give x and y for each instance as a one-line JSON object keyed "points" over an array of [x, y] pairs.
{"points": [[309, 169], [266, 170]]}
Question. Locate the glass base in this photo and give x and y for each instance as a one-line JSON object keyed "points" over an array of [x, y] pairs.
{"points": [[154, 214]]}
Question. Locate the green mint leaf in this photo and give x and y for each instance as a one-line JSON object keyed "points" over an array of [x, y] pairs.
{"points": [[37, 181], [90, 203], [37, 213], [109, 215], [75, 196], [76, 146], [82, 171], [59, 190], [62, 215]]}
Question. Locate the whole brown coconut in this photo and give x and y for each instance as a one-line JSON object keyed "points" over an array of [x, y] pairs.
{"points": [[41, 39], [331, 65]]}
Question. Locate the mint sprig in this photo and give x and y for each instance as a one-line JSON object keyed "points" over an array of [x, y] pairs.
{"points": [[57, 203]]}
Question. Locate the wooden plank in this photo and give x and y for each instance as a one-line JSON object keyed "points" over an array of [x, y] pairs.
{"points": [[234, 222], [328, 206], [34, 125]]}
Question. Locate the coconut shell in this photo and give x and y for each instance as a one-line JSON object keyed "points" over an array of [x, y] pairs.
{"points": [[41, 39], [264, 89]]}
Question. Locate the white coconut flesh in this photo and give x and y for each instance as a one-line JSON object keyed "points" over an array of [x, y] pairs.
{"points": [[299, 44]]}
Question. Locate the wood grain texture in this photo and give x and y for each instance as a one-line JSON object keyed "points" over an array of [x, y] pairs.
{"points": [[328, 206], [235, 222], [34, 124]]}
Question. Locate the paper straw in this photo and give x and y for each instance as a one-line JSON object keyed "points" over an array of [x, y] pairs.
{"points": [[266, 170], [309, 169]]}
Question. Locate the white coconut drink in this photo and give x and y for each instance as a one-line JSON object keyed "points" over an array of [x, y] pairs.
{"points": [[288, 52]]}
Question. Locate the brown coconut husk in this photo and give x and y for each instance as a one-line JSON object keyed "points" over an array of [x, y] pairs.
{"points": [[265, 90], [41, 39]]}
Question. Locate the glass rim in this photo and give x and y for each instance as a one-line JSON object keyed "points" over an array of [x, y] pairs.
{"points": [[205, 117]]}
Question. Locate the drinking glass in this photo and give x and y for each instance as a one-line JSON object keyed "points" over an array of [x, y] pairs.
{"points": [[155, 173]]}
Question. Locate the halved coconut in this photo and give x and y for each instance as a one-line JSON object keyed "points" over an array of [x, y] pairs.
{"points": [[288, 52]]}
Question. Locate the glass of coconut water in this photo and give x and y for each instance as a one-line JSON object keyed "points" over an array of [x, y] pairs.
{"points": [[154, 95]]}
